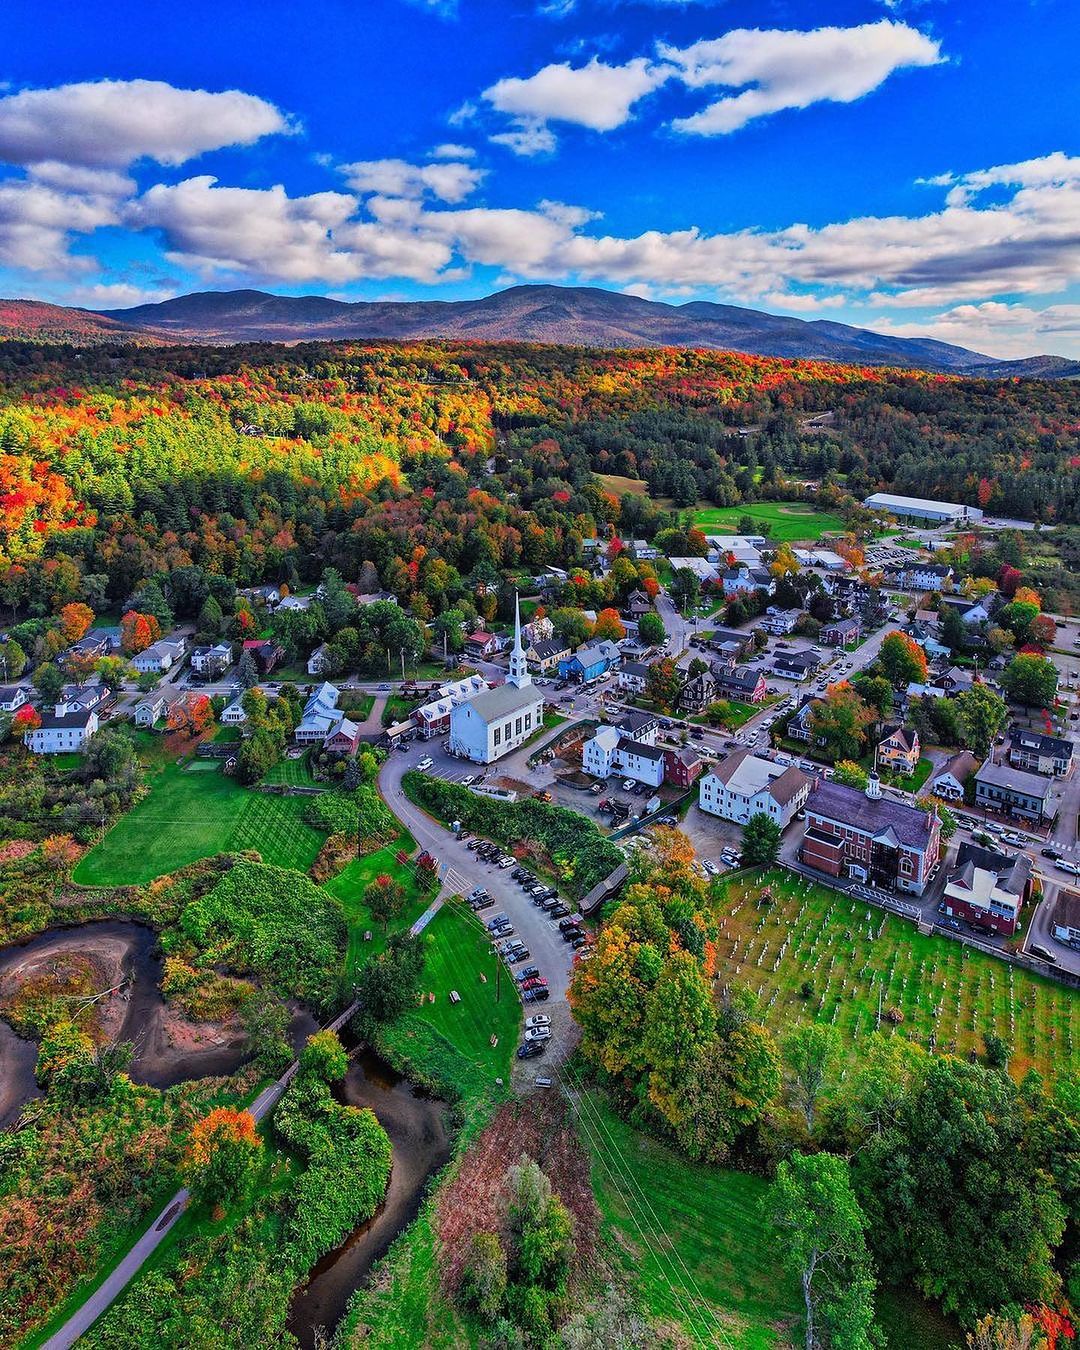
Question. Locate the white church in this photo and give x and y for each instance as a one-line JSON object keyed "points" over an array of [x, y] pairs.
{"points": [[492, 724]]}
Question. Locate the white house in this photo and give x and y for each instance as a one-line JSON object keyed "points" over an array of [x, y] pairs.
{"points": [[234, 715], [433, 717], [318, 663], [746, 785], [633, 677], [211, 660], [321, 718], [12, 697], [598, 754], [489, 725], [780, 622], [150, 709], [81, 698], [160, 656], [64, 734], [628, 749]]}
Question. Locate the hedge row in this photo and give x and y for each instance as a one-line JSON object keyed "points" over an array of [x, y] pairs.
{"points": [[576, 849]]}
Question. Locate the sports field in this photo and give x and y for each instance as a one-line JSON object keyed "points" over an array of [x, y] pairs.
{"points": [[696, 1249], [786, 522], [191, 815], [813, 954]]}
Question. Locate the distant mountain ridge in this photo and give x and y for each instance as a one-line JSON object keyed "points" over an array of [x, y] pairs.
{"points": [[575, 315]]}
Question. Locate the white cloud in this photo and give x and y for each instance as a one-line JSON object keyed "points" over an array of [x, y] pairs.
{"points": [[113, 123], [777, 69], [527, 138], [1054, 170], [266, 233], [449, 181], [450, 150], [802, 303], [1001, 330], [37, 221], [597, 96], [115, 295]]}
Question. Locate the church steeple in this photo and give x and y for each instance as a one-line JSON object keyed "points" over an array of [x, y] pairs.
{"points": [[519, 667]]}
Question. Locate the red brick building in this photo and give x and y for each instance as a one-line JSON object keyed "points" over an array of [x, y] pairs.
{"points": [[682, 766]]}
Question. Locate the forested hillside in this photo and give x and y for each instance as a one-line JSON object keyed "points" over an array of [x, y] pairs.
{"points": [[260, 463]]}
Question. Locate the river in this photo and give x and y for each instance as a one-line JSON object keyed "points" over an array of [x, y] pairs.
{"points": [[156, 1062], [418, 1131]]}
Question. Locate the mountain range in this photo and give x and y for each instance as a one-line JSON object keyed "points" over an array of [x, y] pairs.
{"points": [[580, 315]]}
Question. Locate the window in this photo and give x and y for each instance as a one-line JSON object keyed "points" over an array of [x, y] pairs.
{"points": [[496, 736], [517, 726]]}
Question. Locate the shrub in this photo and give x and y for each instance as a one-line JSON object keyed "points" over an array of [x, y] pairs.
{"points": [[272, 922]]}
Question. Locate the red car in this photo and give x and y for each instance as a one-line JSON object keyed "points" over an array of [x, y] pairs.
{"points": [[537, 982]]}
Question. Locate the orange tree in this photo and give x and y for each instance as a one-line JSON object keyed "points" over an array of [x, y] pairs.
{"points": [[221, 1157], [902, 660], [138, 631]]}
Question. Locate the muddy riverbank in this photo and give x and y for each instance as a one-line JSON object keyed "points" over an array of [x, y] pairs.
{"points": [[121, 960]]}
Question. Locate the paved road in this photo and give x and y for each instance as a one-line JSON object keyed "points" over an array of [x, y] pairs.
{"points": [[117, 1281]]}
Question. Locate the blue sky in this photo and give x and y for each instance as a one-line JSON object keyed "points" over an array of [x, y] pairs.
{"points": [[908, 166]]}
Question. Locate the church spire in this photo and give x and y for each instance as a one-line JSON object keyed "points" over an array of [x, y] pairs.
{"points": [[519, 667]]}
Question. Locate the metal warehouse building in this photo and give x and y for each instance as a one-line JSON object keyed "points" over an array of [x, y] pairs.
{"points": [[920, 508]]}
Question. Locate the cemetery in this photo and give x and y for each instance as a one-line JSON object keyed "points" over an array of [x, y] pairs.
{"points": [[811, 954]]}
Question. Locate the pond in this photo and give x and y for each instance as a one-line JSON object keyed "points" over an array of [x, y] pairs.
{"points": [[417, 1126]]}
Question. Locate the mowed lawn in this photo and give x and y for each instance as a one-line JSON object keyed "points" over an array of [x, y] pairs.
{"points": [[847, 952], [783, 521], [350, 886], [191, 815], [453, 1040], [695, 1244]]}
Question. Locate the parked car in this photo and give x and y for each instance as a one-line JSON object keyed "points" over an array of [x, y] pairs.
{"points": [[568, 923], [559, 910], [569, 934], [580, 941], [529, 973], [538, 1034], [518, 954], [1044, 952], [540, 995], [537, 982], [1051, 853], [530, 1049], [425, 763], [538, 1020]]}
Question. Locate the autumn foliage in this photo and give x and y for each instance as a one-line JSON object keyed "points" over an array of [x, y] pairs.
{"points": [[138, 631]]}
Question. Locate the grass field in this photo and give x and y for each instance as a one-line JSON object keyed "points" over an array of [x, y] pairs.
{"points": [[783, 521], [452, 1041], [620, 486], [350, 885], [695, 1247], [292, 772], [849, 952], [188, 816]]}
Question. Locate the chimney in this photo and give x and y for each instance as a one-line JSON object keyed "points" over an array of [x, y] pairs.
{"points": [[873, 787]]}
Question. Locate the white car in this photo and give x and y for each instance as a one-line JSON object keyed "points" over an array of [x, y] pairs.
{"points": [[538, 1034], [1069, 867], [425, 763], [538, 1020]]}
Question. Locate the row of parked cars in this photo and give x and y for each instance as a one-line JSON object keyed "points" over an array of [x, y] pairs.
{"points": [[532, 985]]}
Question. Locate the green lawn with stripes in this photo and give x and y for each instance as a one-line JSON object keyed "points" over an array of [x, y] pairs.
{"points": [[785, 522], [350, 885], [293, 772], [186, 816]]}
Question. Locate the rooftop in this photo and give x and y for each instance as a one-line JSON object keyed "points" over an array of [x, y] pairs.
{"points": [[873, 815], [1016, 780], [747, 774], [887, 499], [506, 698]]}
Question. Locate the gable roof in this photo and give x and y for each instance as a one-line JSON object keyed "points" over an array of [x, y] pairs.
{"points": [[1053, 746], [1014, 780], [503, 699]]}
